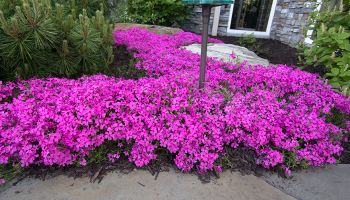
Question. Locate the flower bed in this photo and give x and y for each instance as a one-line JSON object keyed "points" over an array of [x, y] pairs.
{"points": [[280, 113]]}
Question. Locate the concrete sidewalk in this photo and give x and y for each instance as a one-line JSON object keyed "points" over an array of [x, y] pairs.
{"points": [[141, 185], [330, 183]]}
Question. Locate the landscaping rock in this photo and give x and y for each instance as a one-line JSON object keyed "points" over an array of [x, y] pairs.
{"points": [[154, 28], [223, 51], [141, 185], [331, 183]]}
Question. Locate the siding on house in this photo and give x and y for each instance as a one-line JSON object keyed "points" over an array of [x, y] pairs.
{"points": [[288, 26]]}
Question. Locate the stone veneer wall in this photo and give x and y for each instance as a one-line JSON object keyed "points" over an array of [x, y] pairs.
{"points": [[290, 20], [194, 24]]}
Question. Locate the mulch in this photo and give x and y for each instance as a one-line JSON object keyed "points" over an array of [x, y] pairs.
{"points": [[241, 160], [345, 157], [275, 51]]}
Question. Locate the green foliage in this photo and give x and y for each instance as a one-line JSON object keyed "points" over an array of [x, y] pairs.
{"points": [[250, 42], [331, 47], [74, 6], [333, 13], [338, 118], [77, 6], [8, 6], [9, 171], [99, 155], [120, 13], [291, 161], [125, 65], [157, 12], [247, 40], [42, 39]]}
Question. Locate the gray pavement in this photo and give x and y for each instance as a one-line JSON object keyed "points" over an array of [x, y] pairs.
{"points": [[330, 183], [141, 185]]}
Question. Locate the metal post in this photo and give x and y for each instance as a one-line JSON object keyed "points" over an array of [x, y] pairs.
{"points": [[206, 8]]}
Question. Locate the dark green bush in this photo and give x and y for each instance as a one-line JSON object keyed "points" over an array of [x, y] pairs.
{"points": [[41, 39], [76, 6], [120, 13], [247, 40], [157, 12], [331, 47], [8, 6], [89, 5]]}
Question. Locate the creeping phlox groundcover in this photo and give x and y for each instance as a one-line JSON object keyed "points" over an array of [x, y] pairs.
{"points": [[279, 112]]}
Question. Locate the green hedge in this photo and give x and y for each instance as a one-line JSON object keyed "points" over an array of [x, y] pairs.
{"points": [[157, 12], [45, 39]]}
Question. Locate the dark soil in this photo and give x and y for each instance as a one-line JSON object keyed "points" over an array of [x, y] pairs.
{"points": [[345, 157], [276, 52], [124, 65], [240, 160], [273, 50]]}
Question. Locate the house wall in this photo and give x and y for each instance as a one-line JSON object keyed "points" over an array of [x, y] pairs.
{"points": [[289, 23], [194, 24], [291, 20]]}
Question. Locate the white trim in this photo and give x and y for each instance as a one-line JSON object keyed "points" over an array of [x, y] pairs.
{"points": [[258, 34], [214, 30], [308, 40]]}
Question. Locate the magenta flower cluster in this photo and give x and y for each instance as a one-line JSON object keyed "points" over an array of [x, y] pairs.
{"points": [[271, 110]]}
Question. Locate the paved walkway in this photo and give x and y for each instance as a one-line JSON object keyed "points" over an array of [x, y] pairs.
{"points": [[330, 183], [140, 185]]}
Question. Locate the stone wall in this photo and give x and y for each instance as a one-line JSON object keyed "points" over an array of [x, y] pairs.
{"points": [[290, 20], [194, 24], [224, 19]]}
